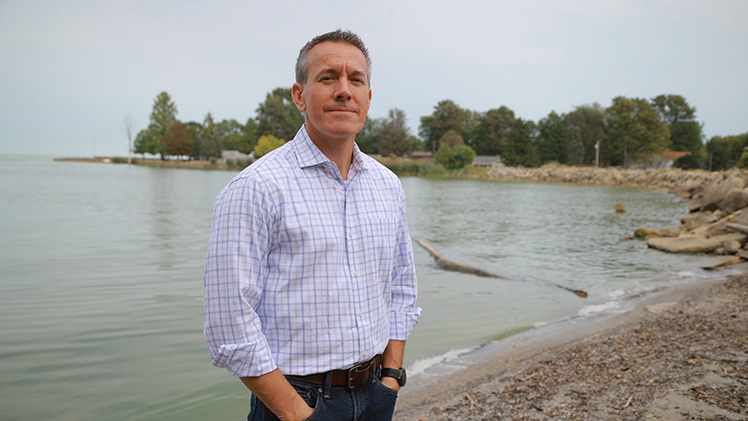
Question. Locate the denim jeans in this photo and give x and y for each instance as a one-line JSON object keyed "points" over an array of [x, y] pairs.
{"points": [[372, 401]]}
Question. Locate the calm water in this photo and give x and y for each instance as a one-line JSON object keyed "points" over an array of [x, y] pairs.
{"points": [[101, 279]]}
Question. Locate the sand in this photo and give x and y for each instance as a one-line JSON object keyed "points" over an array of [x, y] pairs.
{"points": [[681, 354]]}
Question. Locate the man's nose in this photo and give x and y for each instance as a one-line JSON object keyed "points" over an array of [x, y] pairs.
{"points": [[343, 91]]}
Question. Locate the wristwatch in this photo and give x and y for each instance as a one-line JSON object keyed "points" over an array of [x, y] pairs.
{"points": [[396, 374]]}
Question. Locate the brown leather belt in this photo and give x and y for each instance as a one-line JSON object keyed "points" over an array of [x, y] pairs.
{"points": [[350, 378]]}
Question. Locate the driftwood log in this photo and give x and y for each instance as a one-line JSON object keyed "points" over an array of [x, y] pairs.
{"points": [[446, 264]]}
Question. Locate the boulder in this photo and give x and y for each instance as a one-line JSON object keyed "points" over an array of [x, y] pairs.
{"points": [[717, 192], [693, 243], [731, 247], [671, 231], [734, 200], [712, 263], [644, 232], [621, 208]]}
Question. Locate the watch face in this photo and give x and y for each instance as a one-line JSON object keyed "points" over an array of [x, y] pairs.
{"points": [[403, 377]]}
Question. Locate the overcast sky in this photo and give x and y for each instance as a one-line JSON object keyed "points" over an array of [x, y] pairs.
{"points": [[72, 70]]}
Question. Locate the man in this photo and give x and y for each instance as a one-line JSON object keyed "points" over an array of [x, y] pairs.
{"points": [[310, 286]]}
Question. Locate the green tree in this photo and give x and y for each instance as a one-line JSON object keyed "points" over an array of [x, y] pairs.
{"points": [[446, 116], [685, 131], [163, 115], [278, 115], [395, 134], [462, 156], [743, 162], [575, 146], [443, 155], [635, 130], [369, 138], [553, 139], [520, 148], [490, 131], [589, 121], [210, 146], [451, 138], [146, 142], [266, 144]]}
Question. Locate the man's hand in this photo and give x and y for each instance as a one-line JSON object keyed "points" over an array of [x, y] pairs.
{"points": [[391, 383], [277, 394]]}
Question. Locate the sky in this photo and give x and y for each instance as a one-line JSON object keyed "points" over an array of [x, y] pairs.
{"points": [[72, 71]]}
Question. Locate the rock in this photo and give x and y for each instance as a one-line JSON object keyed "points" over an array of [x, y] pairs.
{"points": [[625, 238], [712, 263], [731, 247], [717, 192], [621, 208], [671, 231], [734, 200], [693, 243], [660, 307], [695, 220], [644, 232]]}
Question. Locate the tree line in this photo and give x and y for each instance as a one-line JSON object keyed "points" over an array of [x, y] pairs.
{"points": [[630, 131]]}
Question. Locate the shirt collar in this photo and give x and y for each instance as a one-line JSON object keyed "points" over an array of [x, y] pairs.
{"points": [[309, 155]]}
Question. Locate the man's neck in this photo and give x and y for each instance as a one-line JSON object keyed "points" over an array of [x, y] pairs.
{"points": [[339, 151]]}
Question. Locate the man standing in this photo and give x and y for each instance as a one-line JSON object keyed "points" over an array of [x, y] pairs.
{"points": [[310, 285]]}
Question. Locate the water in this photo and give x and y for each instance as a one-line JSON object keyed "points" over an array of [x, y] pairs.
{"points": [[101, 279]]}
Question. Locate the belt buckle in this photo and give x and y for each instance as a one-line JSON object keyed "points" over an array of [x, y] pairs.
{"points": [[355, 368]]}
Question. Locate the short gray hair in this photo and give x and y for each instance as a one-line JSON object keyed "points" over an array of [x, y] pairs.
{"points": [[338, 35]]}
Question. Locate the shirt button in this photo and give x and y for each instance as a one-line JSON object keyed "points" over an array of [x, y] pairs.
{"points": [[355, 274]]}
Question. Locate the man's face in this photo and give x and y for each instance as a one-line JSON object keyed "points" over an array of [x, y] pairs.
{"points": [[336, 96]]}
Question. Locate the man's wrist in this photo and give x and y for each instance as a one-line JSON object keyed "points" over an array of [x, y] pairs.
{"points": [[398, 374]]}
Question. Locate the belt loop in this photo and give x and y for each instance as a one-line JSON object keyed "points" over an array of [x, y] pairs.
{"points": [[328, 385]]}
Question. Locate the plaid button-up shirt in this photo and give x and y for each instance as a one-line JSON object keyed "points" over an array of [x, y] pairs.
{"points": [[306, 271]]}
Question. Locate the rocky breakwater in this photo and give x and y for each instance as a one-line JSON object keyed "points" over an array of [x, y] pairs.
{"points": [[684, 183], [716, 225]]}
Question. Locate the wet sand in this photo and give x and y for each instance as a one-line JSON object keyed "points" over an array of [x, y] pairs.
{"points": [[682, 354]]}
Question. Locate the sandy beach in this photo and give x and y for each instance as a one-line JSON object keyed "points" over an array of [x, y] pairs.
{"points": [[681, 354]]}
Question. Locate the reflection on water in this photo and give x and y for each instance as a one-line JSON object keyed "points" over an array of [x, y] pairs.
{"points": [[101, 279]]}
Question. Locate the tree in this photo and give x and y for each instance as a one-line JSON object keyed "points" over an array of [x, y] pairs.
{"points": [[462, 156], [369, 138], [178, 140], [210, 146], [490, 131], [635, 130], [395, 135], [520, 148], [685, 131], [446, 116], [128, 131], [553, 139], [743, 161], [266, 144], [278, 115], [451, 138], [589, 121], [146, 142], [575, 147], [163, 115], [443, 155]]}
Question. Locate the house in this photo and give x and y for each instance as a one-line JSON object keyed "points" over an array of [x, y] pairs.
{"points": [[235, 156], [422, 156], [486, 160]]}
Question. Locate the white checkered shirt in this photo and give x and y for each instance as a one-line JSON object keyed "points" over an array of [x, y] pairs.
{"points": [[305, 271]]}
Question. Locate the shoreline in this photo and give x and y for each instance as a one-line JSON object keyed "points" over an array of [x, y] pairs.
{"points": [[646, 362]]}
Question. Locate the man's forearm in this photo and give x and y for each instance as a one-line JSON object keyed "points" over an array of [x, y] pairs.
{"points": [[392, 357], [278, 395]]}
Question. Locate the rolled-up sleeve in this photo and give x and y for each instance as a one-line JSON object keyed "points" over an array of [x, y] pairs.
{"points": [[404, 314], [240, 240]]}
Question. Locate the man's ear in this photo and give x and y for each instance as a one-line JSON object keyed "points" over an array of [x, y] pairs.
{"points": [[297, 92]]}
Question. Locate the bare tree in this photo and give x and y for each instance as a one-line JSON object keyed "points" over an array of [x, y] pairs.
{"points": [[128, 130]]}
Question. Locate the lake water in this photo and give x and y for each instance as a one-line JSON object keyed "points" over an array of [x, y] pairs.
{"points": [[101, 279]]}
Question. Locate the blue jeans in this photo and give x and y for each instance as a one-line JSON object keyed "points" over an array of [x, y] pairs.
{"points": [[372, 401]]}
